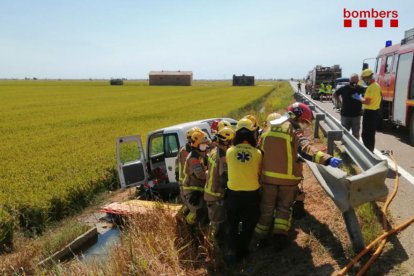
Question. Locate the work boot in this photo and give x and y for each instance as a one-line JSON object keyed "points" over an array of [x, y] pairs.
{"points": [[280, 241]]}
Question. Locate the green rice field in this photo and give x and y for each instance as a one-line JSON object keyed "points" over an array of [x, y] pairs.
{"points": [[58, 137]]}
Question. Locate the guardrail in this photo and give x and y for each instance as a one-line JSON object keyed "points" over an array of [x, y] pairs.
{"points": [[348, 192]]}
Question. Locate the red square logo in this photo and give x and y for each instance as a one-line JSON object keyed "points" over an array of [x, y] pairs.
{"points": [[394, 23], [363, 23], [378, 23], [347, 23]]}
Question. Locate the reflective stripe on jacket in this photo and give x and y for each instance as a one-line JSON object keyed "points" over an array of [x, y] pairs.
{"points": [[195, 172], [217, 175], [180, 163], [281, 146]]}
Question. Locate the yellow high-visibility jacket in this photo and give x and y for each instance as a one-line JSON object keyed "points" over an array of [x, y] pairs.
{"points": [[281, 146]]}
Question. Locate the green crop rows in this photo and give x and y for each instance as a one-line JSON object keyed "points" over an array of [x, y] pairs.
{"points": [[58, 137]]}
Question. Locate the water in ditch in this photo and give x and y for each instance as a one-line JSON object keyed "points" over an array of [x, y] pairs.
{"points": [[98, 252]]}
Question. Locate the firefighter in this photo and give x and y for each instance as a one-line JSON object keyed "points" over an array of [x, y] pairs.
{"points": [[266, 126], [180, 162], [253, 119], [222, 124], [281, 172], [322, 88], [322, 91], [217, 182], [242, 195], [217, 125], [195, 176], [329, 88]]}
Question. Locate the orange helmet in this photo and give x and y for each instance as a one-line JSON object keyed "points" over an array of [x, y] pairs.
{"points": [[301, 112]]}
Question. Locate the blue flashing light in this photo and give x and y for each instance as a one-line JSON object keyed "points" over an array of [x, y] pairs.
{"points": [[388, 43]]}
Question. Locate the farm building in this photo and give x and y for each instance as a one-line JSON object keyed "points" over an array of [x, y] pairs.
{"points": [[116, 82], [170, 78], [243, 80]]}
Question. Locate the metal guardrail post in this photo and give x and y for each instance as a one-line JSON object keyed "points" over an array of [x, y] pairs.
{"points": [[354, 231], [318, 117], [333, 135]]}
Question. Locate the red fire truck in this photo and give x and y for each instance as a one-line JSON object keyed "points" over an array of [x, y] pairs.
{"points": [[394, 71]]}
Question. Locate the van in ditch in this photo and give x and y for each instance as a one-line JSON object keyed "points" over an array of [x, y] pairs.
{"points": [[153, 169]]}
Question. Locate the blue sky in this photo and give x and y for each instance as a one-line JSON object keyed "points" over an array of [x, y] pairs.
{"points": [[214, 39]]}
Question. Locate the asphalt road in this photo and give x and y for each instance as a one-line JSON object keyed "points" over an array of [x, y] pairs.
{"points": [[401, 208]]}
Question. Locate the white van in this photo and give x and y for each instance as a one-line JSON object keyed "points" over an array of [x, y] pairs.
{"points": [[136, 167]]}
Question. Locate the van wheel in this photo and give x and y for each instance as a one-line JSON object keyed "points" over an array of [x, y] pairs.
{"points": [[411, 128]]}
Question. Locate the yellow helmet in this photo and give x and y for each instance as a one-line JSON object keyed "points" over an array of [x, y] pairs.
{"points": [[245, 123], [226, 134], [367, 73], [253, 119], [191, 131], [198, 137], [272, 116], [222, 124]]}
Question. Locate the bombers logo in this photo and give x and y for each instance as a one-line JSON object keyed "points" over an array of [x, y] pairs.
{"points": [[379, 18]]}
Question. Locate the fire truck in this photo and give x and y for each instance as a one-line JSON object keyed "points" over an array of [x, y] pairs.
{"points": [[321, 74], [394, 72]]}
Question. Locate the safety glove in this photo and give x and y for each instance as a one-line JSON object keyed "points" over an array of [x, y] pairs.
{"points": [[335, 162], [195, 198]]}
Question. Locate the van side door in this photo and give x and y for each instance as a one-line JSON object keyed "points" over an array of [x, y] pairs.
{"points": [[131, 161], [171, 148]]}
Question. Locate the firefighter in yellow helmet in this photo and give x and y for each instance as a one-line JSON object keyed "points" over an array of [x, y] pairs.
{"points": [[217, 182], [256, 128], [180, 162], [222, 124], [195, 168], [242, 196], [282, 144]]}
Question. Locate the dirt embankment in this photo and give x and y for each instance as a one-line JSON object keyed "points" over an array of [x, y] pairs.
{"points": [[319, 244]]}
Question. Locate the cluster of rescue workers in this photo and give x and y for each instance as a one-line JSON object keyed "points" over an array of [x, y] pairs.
{"points": [[247, 179]]}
